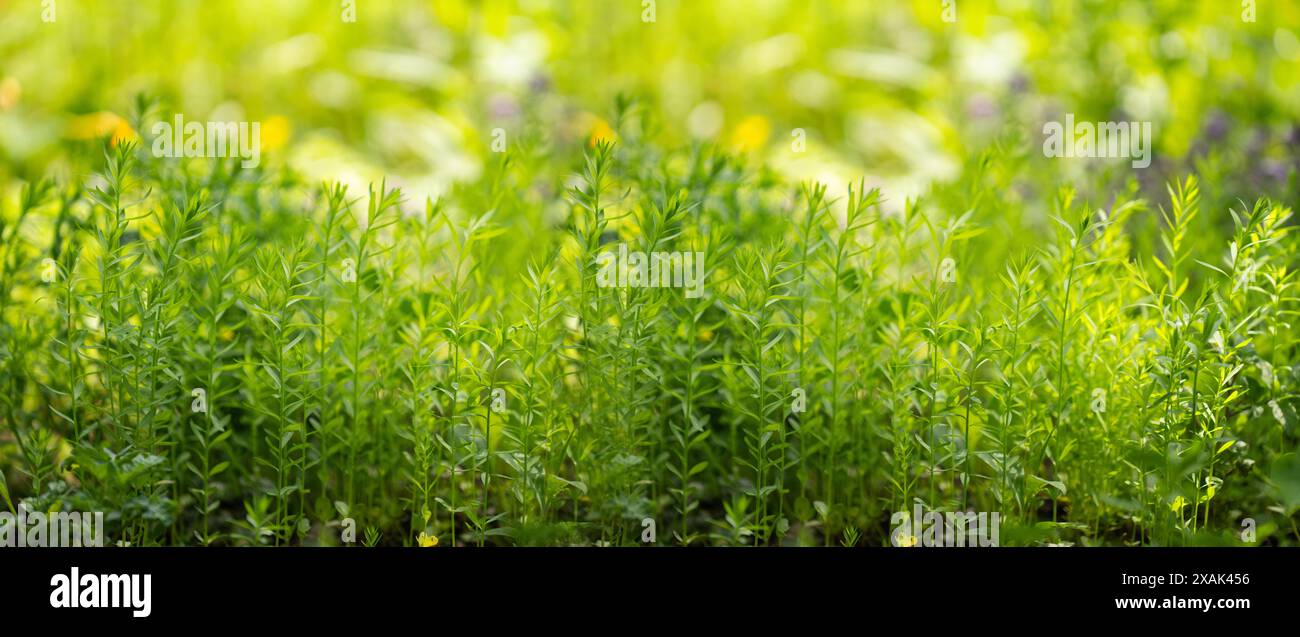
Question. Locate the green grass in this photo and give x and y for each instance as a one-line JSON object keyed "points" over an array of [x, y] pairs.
{"points": [[1124, 372]]}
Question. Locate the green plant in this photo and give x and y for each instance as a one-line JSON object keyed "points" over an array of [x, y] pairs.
{"points": [[223, 357]]}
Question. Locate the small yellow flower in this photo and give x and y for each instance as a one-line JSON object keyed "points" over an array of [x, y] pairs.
{"points": [[600, 132], [1178, 504], [427, 540], [227, 334], [751, 133], [706, 335], [95, 125], [907, 540], [275, 132], [10, 92]]}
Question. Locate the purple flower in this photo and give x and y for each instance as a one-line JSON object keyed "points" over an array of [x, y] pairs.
{"points": [[979, 106], [1216, 126], [1019, 83], [502, 106], [539, 83]]}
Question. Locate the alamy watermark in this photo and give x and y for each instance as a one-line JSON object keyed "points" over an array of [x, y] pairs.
{"points": [[636, 269], [179, 138], [35, 529], [92, 590], [936, 528], [1129, 140]]}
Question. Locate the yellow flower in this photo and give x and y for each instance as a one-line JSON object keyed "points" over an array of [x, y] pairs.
{"points": [[10, 91], [427, 540], [751, 133], [95, 125], [907, 540], [600, 132], [275, 132], [706, 335]]}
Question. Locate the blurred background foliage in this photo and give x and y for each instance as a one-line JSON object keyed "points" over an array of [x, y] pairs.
{"points": [[412, 90]]}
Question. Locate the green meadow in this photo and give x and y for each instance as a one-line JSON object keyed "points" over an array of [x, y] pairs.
{"points": [[623, 273]]}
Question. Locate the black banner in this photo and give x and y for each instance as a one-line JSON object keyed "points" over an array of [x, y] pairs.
{"points": [[168, 587]]}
